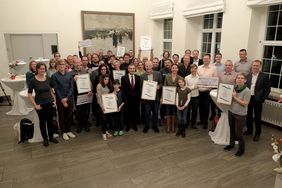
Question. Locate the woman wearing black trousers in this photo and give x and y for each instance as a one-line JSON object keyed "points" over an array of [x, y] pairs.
{"points": [[44, 102]]}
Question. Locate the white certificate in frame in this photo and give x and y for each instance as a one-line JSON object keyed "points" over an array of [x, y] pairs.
{"points": [[169, 93], [208, 82], [120, 51], [224, 94], [84, 99], [117, 74], [83, 83], [110, 103], [145, 43], [149, 90]]}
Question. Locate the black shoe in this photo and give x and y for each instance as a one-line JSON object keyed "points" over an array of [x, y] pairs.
{"points": [[135, 128], [239, 153], [45, 143], [54, 140], [256, 138], [183, 134], [78, 130], [156, 129], [229, 147], [205, 126], [127, 129], [87, 129], [145, 130], [247, 133], [200, 123], [194, 127]]}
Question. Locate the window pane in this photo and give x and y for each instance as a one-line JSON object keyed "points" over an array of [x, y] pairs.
{"points": [[280, 18], [275, 7], [218, 37], [270, 33], [279, 33], [209, 37], [167, 46], [268, 51], [278, 52], [276, 67], [266, 65], [274, 80], [168, 29], [219, 20], [217, 48], [209, 48], [208, 21], [272, 18]]}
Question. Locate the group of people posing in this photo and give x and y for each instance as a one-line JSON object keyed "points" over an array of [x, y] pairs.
{"points": [[56, 87]]}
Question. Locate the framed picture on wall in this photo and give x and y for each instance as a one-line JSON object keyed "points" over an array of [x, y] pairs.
{"points": [[108, 30]]}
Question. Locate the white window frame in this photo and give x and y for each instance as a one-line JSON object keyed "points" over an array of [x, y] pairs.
{"points": [[167, 40], [271, 43], [213, 30]]}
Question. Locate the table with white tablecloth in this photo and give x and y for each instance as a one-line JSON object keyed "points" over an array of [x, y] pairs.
{"points": [[33, 117], [221, 134], [19, 106]]}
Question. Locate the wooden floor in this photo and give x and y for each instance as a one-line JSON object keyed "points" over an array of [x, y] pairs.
{"points": [[135, 160]]}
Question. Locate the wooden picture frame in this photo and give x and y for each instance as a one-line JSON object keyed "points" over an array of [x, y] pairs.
{"points": [[108, 30]]}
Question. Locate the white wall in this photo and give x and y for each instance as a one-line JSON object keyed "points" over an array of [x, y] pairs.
{"points": [[62, 17]]}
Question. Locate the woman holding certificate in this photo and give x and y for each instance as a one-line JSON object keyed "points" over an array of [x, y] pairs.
{"points": [[103, 87], [171, 80], [237, 114]]}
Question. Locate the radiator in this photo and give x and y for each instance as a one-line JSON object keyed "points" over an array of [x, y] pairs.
{"points": [[272, 112]]}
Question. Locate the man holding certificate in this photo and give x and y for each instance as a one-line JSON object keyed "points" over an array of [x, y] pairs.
{"points": [[82, 95], [151, 103], [206, 72]]}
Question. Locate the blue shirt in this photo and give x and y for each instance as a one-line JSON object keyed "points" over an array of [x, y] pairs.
{"points": [[63, 85]]}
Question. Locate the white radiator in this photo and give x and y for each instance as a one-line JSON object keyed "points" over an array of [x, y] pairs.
{"points": [[272, 112]]}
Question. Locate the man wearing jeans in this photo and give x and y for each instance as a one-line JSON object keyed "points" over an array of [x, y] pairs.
{"points": [[63, 86]]}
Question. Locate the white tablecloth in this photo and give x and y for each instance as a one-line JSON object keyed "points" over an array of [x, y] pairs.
{"points": [[19, 107], [33, 117], [221, 134]]}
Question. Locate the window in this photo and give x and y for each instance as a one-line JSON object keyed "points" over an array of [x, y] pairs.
{"points": [[167, 35], [272, 57], [211, 35]]}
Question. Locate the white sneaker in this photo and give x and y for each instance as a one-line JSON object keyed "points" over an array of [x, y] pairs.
{"points": [[108, 134], [70, 134], [55, 135], [65, 136], [104, 136]]}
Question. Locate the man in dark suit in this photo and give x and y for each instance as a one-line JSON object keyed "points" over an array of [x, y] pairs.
{"points": [[259, 84], [184, 69], [130, 85], [152, 106], [196, 60]]}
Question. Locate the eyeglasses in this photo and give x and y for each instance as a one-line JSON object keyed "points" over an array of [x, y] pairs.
{"points": [[103, 69]]}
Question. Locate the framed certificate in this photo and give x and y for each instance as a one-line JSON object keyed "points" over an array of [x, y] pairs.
{"points": [[84, 99], [149, 90], [109, 103], [169, 93], [145, 43], [117, 74], [208, 82], [224, 94], [83, 83]]}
